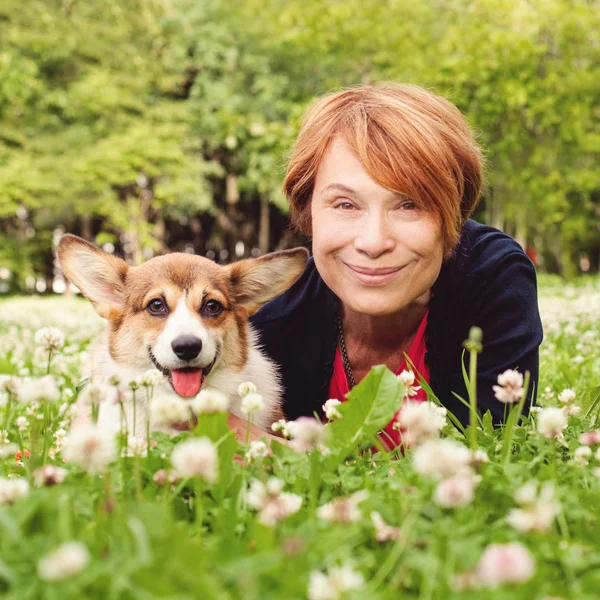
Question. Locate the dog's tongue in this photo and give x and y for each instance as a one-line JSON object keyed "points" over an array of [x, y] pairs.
{"points": [[187, 383]]}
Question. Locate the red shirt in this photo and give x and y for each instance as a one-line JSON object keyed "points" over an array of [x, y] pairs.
{"points": [[338, 386]]}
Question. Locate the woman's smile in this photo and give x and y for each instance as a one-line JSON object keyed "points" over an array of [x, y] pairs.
{"points": [[373, 276]]}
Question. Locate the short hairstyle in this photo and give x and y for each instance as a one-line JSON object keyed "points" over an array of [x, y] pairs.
{"points": [[410, 141]]}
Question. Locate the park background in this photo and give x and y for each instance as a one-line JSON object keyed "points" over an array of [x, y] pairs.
{"points": [[149, 126]]}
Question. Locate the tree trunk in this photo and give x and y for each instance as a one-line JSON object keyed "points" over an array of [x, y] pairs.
{"points": [[264, 229]]}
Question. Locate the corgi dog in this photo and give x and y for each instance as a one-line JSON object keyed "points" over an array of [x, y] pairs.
{"points": [[185, 316]]}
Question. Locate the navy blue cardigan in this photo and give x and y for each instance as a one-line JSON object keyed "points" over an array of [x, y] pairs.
{"points": [[488, 282]]}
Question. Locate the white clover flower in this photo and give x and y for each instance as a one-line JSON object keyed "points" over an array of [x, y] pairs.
{"points": [[49, 338], [479, 458], [210, 401], [582, 455], [196, 458], [306, 434], [4, 436], [383, 531], [66, 561], [420, 421], [407, 378], [567, 396], [49, 475], [90, 447], [42, 389], [330, 409], [7, 450], [331, 585], [510, 387], [455, 491], [151, 378], [252, 403], [343, 510], [10, 385], [551, 421], [590, 438], [282, 426], [538, 509], [441, 459], [163, 476], [136, 446], [22, 423], [169, 410], [245, 388], [12, 490], [257, 450], [272, 503], [505, 563], [95, 393]]}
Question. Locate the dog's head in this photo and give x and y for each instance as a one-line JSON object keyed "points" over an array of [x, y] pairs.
{"points": [[180, 313]]}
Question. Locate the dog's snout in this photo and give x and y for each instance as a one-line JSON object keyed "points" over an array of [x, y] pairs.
{"points": [[187, 347]]}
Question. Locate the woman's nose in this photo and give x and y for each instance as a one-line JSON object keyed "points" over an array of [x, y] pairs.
{"points": [[374, 237]]}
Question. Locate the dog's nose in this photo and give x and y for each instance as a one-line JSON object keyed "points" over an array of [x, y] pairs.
{"points": [[187, 347]]}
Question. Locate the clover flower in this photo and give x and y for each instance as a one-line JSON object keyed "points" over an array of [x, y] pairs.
{"points": [[151, 378], [407, 378], [538, 508], [49, 475], [7, 450], [271, 501], [442, 459], [257, 450], [196, 458], [90, 447], [306, 434], [510, 387], [210, 401], [505, 563], [95, 393], [383, 531], [582, 455], [252, 403], [164, 476], [331, 585], [50, 339], [419, 421], [456, 491], [282, 426], [567, 396], [67, 560], [590, 438], [245, 388], [551, 421], [12, 490], [42, 389], [343, 510], [330, 409], [169, 410]]}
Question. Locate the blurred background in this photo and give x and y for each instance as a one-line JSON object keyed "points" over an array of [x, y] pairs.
{"points": [[149, 126]]}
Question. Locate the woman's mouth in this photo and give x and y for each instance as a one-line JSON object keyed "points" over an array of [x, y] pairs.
{"points": [[373, 277]]}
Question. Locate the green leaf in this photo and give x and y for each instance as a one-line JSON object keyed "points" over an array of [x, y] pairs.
{"points": [[371, 406]]}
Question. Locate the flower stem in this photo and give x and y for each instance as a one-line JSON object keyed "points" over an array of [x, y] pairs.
{"points": [[473, 399], [513, 417]]}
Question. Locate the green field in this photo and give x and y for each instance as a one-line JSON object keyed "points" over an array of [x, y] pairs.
{"points": [[219, 532]]}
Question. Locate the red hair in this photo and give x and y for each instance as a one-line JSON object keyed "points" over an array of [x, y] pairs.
{"points": [[410, 141]]}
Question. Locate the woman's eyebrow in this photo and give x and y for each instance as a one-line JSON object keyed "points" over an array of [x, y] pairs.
{"points": [[339, 187]]}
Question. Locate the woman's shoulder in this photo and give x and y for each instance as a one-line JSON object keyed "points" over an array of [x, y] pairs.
{"points": [[483, 250]]}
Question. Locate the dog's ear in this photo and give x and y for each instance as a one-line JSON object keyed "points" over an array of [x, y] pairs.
{"points": [[255, 281], [99, 276]]}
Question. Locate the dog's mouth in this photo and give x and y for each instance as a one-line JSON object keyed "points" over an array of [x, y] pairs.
{"points": [[187, 381]]}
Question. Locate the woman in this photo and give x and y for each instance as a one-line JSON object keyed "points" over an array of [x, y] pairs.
{"points": [[383, 179]]}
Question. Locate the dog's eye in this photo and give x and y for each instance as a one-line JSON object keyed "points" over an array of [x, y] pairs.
{"points": [[212, 308], [156, 307]]}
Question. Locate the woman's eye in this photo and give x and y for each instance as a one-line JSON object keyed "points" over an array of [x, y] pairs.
{"points": [[212, 308], [345, 205], [409, 205], [156, 307]]}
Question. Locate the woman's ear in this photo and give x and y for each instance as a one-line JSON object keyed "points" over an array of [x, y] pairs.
{"points": [[255, 281], [99, 276]]}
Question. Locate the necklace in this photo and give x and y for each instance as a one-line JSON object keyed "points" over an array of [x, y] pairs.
{"points": [[344, 353]]}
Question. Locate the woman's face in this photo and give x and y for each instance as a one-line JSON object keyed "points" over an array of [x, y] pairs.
{"points": [[376, 250]]}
